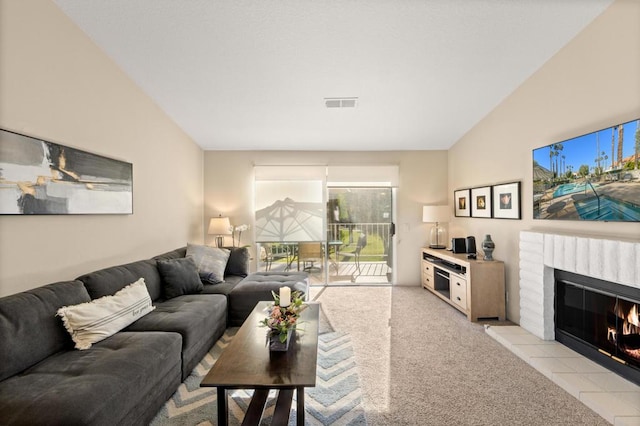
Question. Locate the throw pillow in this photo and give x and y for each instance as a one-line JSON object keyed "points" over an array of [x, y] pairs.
{"points": [[210, 261], [94, 321], [179, 276], [238, 263]]}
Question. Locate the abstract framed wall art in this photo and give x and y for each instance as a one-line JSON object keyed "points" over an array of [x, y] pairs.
{"points": [[506, 200], [481, 202], [462, 204], [38, 177]]}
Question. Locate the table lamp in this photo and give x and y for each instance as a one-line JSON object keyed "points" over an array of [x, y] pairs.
{"points": [[219, 226], [436, 214]]}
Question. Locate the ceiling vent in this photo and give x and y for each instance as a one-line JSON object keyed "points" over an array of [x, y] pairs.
{"points": [[340, 102]]}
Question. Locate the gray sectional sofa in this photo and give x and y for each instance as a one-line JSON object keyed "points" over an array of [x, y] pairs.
{"points": [[126, 378]]}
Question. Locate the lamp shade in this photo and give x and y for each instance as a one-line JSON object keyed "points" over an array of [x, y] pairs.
{"points": [[435, 214], [219, 226]]}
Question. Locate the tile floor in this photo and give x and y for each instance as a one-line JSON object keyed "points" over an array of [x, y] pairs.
{"points": [[614, 398]]}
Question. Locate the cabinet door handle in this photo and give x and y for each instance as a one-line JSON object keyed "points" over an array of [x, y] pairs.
{"points": [[458, 284], [458, 298]]}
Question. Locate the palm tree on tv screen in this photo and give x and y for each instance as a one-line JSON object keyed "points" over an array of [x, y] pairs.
{"points": [[620, 140], [637, 153], [613, 145]]}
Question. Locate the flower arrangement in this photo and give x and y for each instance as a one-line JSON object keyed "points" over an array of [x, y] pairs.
{"points": [[239, 229], [283, 316]]}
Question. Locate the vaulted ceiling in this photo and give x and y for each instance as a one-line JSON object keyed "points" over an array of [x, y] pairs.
{"points": [[254, 74]]}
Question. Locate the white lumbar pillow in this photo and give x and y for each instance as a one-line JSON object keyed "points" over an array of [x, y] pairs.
{"points": [[94, 321]]}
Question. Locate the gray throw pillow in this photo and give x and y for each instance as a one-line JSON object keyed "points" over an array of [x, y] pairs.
{"points": [[210, 261], [238, 263], [179, 276]]}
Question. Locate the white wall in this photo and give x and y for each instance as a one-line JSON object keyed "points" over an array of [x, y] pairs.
{"points": [[590, 84], [55, 84], [228, 190]]}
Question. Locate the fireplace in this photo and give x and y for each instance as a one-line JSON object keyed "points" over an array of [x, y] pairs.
{"points": [[616, 260], [600, 320]]}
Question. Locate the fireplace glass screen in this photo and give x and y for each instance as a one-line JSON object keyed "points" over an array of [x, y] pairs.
{"points": [[602, 321]]}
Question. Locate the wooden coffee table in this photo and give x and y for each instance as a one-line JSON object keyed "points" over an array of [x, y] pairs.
{"points": [[247, 363]]}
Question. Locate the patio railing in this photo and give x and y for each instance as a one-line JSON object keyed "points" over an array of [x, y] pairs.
{"points": [[378, 240]]}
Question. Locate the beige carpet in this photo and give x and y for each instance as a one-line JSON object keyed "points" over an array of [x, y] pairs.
{"points": [[422, 363]]}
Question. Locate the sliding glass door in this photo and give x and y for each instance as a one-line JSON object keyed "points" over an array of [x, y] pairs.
{"points": [[336, 223], [360, 233]]}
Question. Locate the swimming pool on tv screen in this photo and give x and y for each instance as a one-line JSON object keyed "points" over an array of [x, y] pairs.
{"points": [[609, 209], [570, 188]]}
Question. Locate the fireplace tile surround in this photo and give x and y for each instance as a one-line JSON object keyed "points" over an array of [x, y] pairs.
{"points": [[614, 398]]}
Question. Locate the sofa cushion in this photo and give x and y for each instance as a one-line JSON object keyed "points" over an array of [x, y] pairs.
{"points": [[210, 261], [230, 282], [258, 286], [105, 282], [29, 329], [200, 318], [91, 322], [173, 254], [109, 384], [238, 263], [180, 276]]}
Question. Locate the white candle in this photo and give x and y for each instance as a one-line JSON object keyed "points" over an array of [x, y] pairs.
{"points": [[285, 296]]}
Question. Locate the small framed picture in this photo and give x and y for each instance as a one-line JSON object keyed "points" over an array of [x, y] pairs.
{"points": [[462, 203], [506, 200], [481, 202]]}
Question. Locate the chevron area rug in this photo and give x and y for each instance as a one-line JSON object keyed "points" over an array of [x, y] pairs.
{"points": [[336, 399]]}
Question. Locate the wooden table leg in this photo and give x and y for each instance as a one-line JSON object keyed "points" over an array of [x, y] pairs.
{"points": [[256, 408], [300, 405], [223, 407], [282, 412]]}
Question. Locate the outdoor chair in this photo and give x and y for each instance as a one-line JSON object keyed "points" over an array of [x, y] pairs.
{"points": [[362, 242], [273, 253], [308, 254]]}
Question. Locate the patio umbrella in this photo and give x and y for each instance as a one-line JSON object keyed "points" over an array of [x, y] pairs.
{"points": [[289, 221]]}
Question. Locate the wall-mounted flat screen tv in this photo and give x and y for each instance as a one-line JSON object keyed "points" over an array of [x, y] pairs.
{"points": [[590, 177]]}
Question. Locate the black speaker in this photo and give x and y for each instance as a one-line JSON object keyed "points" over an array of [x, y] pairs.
{"points": [[471, 245], [458, 245]]}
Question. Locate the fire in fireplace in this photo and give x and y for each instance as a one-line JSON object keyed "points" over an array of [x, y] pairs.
{"points": [[624, 328], [600, 320]]}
